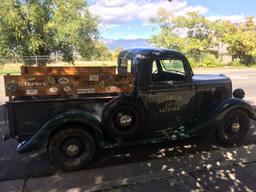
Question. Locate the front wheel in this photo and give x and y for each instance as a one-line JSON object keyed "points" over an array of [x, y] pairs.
{"points": [[71, 148], [233, 128]]}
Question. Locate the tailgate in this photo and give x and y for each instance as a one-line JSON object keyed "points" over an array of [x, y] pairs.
{"points": [[4, 126]]}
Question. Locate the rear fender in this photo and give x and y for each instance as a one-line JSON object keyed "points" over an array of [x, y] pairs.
{"points": [[42, 136]]}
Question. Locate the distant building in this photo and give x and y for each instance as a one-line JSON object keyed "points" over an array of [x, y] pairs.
{"points": [[223, 52]]}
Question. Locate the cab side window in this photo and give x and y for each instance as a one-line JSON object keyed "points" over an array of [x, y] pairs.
{"points": [[125, 66], [168, 70], [173, 65]]}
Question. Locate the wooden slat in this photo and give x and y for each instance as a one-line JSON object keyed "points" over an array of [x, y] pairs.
{"points": [[31, 85], [66, 70]]}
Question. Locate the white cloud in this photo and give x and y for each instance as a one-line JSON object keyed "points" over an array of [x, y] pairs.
{"points": [[231, 18], [120, 11], [107, 26], [111, 3]]}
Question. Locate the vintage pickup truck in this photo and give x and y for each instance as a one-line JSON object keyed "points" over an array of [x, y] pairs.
{"points": [[152, 96]]}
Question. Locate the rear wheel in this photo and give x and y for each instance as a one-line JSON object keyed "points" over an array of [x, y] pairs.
{"points": [[234, 127], [71, 148]]}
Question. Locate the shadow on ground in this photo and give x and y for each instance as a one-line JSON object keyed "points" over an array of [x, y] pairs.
{"points": [[219, 170], [15, 166]]}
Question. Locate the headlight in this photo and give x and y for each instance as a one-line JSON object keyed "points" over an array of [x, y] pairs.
{"points": [[239, 93]]}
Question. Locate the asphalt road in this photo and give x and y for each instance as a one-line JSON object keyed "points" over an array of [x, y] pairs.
{"points": [[13, 166]]}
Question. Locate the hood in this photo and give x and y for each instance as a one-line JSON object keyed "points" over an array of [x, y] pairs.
{"points": [[203, 79]]}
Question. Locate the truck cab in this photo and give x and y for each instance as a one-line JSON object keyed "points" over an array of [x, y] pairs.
{"points": [[173, 94]]}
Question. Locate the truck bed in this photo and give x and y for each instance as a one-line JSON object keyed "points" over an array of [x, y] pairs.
{"points": [[27, 116], [66, 81]]}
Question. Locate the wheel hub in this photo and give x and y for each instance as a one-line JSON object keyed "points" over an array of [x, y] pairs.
{"points": [[235, 127], [126, 120], [72, 150]]}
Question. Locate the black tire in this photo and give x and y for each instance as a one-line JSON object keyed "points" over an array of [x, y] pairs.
{"points": [[124, 118], [233, 128], [71, 148]]}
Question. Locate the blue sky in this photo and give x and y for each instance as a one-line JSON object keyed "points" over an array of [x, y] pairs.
{"points": [[123, 19]]}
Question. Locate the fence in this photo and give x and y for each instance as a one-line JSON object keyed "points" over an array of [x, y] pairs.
{"points": [[52, 60], [38, 60]]}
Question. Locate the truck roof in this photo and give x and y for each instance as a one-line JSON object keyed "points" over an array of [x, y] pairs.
{"points": [[158, 52]]}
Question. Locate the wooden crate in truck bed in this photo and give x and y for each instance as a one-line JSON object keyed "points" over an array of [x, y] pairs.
{"points": [[62, 81]]}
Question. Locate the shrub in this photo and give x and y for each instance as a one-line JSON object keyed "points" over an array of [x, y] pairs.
{"points": [[206, 60]]}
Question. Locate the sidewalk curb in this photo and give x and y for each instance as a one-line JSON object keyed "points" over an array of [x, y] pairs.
{"points": [[140, 172]]}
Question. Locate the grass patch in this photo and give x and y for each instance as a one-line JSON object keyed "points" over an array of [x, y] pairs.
{"points": [[10, 68], [15, 68], [90, 63]]}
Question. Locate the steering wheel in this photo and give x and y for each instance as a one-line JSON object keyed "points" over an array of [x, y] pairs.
{"points": [[156, 75]]}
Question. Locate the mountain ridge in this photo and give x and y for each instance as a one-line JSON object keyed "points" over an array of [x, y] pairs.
{"points": [[126, 43]]}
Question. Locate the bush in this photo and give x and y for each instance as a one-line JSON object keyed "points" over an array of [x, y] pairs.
{"points": [[236, 63], [206, 60]]}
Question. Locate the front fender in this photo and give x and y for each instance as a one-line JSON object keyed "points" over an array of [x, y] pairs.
{"points": [[42, 136], [230, 104], [223, 109]]}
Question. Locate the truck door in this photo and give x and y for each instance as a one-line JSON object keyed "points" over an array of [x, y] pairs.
{"points": [[171, 97]]}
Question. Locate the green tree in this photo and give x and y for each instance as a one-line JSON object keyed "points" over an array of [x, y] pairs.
{"points": [[32, 27], [116, 52], [240, 40], [191, 33], [101, 52], [199, 37], [168, 36]]}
